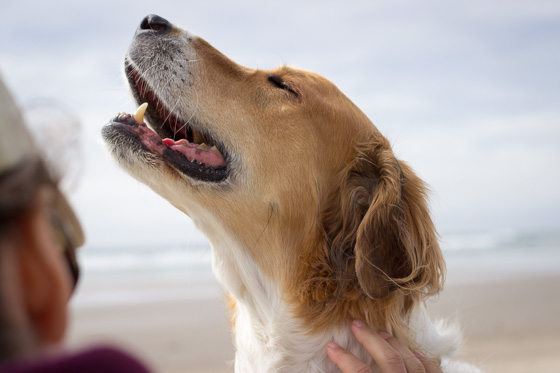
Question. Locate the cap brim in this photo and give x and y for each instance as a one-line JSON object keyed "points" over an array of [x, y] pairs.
{"points": [[72, 224]]}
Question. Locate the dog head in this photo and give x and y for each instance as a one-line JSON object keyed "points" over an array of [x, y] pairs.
{"points": [[282, 163]]}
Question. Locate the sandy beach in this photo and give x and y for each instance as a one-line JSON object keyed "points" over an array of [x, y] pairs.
{"points": [[179, 324], [509, 327]]}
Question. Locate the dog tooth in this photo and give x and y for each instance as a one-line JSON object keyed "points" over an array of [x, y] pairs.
{"points": [[215, 150], [139, 115], [197, 137], [203, 146]]}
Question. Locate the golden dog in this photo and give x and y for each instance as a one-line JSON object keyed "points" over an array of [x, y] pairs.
{"points": [[313, 221]]}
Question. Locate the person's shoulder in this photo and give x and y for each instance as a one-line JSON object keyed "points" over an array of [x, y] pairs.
{"points": [[94, 360]]}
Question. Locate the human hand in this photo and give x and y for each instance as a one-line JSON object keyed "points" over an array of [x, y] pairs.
{"points": [[389, 354]]}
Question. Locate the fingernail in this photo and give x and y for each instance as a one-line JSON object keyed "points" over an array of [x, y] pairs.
{"points": [[359, 323], [384, 335], [332, 345]]}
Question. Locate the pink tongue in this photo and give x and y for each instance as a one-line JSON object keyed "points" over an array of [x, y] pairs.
{"points": [[189, 150]]}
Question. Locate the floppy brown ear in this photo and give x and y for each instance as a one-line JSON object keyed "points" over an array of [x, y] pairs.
{"points": [[396, 243], [385, 225]]}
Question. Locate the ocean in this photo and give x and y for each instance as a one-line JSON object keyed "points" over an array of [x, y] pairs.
{"points": [[168, 272]]}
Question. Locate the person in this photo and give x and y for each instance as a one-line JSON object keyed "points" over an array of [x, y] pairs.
{"points": [[39, 234]]}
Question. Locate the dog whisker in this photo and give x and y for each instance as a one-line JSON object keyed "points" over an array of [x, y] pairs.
{"points": [[193, 114], [171, 111]]}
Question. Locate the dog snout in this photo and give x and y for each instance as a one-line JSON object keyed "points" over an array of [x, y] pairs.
{"points": [[154, 22]]}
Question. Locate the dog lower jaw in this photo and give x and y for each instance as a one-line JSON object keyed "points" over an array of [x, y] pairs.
{"points": [[128, 132]]}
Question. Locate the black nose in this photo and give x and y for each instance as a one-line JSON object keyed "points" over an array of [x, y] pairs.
{"points": [[155, 23]]}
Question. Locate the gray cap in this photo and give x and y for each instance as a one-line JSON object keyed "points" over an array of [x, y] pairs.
{"points": [[16, 144], [15, 141]]}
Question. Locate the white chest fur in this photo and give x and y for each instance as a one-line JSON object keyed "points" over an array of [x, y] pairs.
{"points": [[269, 339], [282, 345]]}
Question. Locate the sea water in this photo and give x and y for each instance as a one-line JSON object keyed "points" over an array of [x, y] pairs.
{"points": [[113, 275]]}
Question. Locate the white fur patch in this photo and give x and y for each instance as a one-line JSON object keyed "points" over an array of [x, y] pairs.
{"points": [[269, 339]]}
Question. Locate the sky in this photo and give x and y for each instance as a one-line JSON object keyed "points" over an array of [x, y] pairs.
{"points": [[468, 93]]}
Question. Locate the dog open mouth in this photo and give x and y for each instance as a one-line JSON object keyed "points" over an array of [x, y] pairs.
{"points": [[180, 142]]}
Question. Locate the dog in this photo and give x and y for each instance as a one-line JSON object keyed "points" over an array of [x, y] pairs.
{"points": [[312, 219]]}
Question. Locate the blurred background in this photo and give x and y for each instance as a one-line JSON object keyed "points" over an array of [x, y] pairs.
{"points": [[468, 92]]}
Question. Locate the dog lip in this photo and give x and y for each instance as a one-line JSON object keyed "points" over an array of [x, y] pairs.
{"points": [[148, 141]]}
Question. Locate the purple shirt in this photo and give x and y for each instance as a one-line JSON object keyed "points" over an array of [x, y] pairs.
{"points": [[95, 360]]}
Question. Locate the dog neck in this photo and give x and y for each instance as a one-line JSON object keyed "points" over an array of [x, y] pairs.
{"points": [[268, 337]]}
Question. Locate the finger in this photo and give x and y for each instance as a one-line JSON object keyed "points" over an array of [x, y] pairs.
{"points": [[431, 365], [386, 357], [346, 361], [410, 360]]}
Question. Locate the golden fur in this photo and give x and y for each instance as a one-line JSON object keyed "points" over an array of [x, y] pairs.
{"points": [[352, 220], [379, 255], [315, 196]]}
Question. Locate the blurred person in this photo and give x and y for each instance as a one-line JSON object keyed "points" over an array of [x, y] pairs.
{"points": [[39, 234]]}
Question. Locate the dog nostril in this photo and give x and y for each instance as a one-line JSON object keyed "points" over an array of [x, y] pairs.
{"points": [[155, 22]]}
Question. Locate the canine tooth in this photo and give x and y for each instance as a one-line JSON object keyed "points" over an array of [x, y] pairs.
{"points": [[203, 146], [139, 115], [197, 137], [215, 150]]}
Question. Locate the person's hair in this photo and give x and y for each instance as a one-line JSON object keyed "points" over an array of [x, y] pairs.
{"points": [[18, 187]]}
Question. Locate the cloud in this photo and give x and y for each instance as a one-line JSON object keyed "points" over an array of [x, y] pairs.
{"points": [[493, 173]]}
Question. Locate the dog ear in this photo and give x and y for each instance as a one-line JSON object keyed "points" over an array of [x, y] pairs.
{"points": [[396, 242], [385, 226]]}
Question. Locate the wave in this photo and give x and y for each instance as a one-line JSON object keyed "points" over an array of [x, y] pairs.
{"points": [[146, 259], [500, 240], [197, 258]]}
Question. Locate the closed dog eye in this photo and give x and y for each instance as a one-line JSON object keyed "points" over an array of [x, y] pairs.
{"points": [[277, 81]]}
